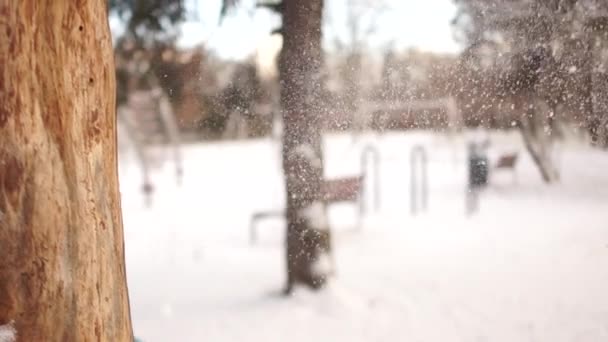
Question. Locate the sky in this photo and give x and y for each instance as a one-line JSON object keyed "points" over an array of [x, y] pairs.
{"points": [[403, 24]]}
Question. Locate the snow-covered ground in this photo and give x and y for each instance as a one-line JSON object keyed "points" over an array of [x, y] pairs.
{"points": [[532, 265]]}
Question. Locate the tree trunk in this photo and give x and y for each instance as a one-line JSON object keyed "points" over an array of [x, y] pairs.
{"points": [[538, 140], [539, 156], [62, 269], [308, 235]]}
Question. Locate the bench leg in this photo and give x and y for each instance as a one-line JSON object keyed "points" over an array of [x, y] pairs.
{"points": [[253, 237], [252, 232]]}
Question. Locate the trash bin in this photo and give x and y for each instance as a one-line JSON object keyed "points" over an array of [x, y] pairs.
{"points": [[478, 167]]}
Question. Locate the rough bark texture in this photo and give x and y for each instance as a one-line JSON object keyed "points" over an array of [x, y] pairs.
{"points": [[62, 273], [538, 138], [540, 151], [308, 236]]}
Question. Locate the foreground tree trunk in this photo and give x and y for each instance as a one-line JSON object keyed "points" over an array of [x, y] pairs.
{"points": [[62, 270], [308, 235]]}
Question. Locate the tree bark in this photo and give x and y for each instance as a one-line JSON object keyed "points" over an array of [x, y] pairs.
{"points": [[538, 141], [62, 269], [539, 156], [308, 235]]}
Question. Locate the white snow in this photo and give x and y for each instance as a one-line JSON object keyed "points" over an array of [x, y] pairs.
{"points": [[8, 333], [315, 215], [323, 265], [308, 153], [532, 265]]}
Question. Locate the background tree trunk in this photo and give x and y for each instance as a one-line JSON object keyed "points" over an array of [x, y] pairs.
{"points": [[308, 235], [540, 150], [538, 137], [62, 270]]}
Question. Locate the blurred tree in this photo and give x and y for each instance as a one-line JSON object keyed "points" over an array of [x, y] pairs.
{"points": [[308, 238], [308, 234], [395, 76], [552, 66], [149, 20], [147, 58], [362, 18], [62, 263], [151, 27]]}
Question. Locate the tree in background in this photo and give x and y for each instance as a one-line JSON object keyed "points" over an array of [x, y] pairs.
{"points": [[362, 18], [151, 27], [308, 238], [148, 21], [551, 70], [395, 74], [202, 101], [62, 263]]}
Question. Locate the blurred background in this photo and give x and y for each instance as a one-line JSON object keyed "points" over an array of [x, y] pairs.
{"points": [[463, 167]]}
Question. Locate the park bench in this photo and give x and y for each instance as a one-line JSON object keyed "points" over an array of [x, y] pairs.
{"points": [[337, 190], [341, 189], [345, 189], [507, 161]]}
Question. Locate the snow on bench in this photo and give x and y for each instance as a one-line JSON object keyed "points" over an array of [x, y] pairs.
{"points": [[337, 190]]}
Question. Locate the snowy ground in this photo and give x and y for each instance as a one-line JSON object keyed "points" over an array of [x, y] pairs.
{"points": [[532, 265]]}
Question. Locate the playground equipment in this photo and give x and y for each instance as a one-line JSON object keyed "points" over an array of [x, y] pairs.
{"points": [[123, 116], [348, 189], [418, 180], [369, 151], [147, 115]]}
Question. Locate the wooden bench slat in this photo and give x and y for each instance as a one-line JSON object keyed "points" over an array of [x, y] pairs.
{"points": [[342, 189], [506, 161]]}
